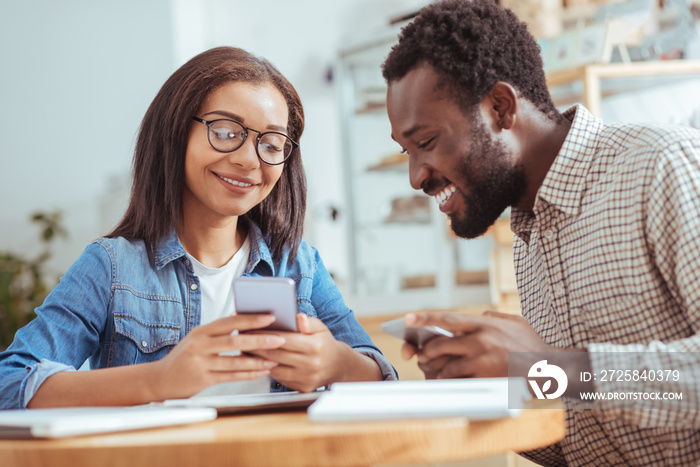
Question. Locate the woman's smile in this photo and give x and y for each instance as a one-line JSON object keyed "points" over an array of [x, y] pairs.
{"points": [[236, 184]]}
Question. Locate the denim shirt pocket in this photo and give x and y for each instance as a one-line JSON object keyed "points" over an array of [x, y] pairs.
{"points": [[304, 289], [140, 341]]}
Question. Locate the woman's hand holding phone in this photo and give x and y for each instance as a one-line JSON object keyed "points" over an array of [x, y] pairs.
{"points": [[310, 358], [195, 363]]}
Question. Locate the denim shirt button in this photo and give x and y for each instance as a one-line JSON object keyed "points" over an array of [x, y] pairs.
{"points": [[277, 385], [194, 286], [144, 344]]}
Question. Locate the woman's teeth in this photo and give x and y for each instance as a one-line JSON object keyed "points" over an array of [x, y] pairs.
{"points": [[234, 182], [442, 197]]}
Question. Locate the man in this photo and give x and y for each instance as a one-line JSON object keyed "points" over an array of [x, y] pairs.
{"points": [[606, 222]]}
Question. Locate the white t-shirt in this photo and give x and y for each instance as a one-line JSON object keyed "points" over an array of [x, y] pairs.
{"points": [[215, 285]]}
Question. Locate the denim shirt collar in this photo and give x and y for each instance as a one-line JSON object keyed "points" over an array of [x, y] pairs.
{"points": [[170, 249]]}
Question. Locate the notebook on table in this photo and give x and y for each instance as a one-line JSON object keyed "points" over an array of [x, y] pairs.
{"points": [[77, 421], [246, 403], [475, 399]]}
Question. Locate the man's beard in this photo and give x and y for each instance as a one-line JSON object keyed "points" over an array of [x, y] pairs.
{"points": [[493, 186]]}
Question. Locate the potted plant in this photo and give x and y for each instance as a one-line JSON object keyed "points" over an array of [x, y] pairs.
{"points": [[23, 281]]}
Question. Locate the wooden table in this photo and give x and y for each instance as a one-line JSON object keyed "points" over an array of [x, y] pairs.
{"points": [[290, 439]]}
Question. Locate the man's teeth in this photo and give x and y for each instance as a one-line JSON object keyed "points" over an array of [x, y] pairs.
{"points": [[442, 197], [234, 182]]}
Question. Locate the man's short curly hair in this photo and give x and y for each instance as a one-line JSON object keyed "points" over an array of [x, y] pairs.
{"points": [[472, 44]]}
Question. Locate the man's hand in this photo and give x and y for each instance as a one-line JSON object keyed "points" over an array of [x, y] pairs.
{"points": [[479, 347]]}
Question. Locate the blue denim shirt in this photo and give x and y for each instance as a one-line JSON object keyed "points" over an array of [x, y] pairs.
{"points": [[116, 306]]}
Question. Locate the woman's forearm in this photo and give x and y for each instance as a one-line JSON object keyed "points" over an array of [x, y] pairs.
{"points": [[117, 386], [359, 367]]}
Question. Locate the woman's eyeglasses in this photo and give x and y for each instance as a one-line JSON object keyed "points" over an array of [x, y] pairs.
{"points": [[272, 147]]}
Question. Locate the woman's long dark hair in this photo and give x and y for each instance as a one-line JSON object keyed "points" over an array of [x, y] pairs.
{"points": [[155, 205]]}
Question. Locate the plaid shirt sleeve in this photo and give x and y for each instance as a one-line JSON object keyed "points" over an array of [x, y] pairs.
{"points": [[672, 214]]}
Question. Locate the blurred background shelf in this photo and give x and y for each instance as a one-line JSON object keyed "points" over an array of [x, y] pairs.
{"points": [[398, 243], [397, 162], [603, 80]]}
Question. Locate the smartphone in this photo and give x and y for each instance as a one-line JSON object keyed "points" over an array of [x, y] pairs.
{"points": [[275, 295], [416, 336]]}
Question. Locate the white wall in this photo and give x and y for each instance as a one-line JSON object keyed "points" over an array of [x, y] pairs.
{"points": [[76, 77]]}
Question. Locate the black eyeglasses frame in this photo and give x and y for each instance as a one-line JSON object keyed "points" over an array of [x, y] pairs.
{"points": [[209, 123]]}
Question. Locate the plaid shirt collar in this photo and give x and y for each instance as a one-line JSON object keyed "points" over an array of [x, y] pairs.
{"points": [[565, 182]]}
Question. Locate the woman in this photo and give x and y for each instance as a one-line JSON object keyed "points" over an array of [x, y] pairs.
{"points": [[218, 192]]}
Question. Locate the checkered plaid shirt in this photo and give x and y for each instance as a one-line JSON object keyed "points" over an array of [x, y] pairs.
{"points": [[610, 261]]}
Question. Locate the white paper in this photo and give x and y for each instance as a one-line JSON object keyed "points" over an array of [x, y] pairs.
{"points": [[476, 399]]}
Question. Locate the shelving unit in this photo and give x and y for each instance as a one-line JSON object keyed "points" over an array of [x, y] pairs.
{"points": [[401, 254], [632, 76]]}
